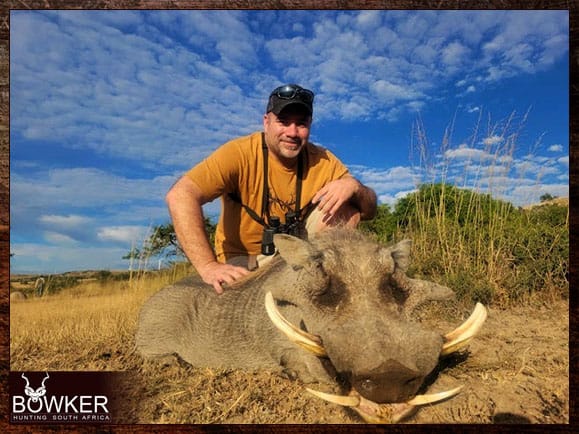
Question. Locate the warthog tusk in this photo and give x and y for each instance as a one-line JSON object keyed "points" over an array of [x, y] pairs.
{"points": [[431, 398], [373, 412], [346, 401], [304, 339], [461, 336]]}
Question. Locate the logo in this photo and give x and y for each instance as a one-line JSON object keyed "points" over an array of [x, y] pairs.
{"points": [[35, 395], [63, 397]]}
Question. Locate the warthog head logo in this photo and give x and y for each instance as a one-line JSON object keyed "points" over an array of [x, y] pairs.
{"points": [[35, 394]]}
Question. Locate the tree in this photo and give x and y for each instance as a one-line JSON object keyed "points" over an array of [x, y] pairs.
{"points": [[163, 243], [383, 225], [546, 197]]}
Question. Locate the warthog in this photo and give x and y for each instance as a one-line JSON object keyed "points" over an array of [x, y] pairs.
{"points": [[344, 302]]}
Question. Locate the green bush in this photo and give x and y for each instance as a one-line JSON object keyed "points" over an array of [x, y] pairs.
{"points": [[383, 226], [450, 203], [485, 249]]}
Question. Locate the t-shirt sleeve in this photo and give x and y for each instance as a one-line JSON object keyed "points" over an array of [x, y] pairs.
{"points": [[219, 172], [336, 168]]}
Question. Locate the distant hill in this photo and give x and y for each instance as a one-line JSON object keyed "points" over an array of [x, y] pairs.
{"points": [[560, 201]]}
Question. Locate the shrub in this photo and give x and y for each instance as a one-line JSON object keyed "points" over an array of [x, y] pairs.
{"points": [[486, 249], [383, 226]]}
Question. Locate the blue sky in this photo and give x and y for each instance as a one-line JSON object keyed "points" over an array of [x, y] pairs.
{"points": [[109, 108]]}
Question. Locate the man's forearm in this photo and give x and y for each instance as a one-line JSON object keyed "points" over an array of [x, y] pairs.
{"points": [[185, 208], [366, 201]]}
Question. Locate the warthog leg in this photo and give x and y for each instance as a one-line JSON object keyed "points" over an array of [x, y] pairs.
{"points": [[373, 412]]}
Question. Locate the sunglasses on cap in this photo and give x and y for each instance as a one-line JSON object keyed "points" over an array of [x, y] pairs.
{"points": [[292, 91]]}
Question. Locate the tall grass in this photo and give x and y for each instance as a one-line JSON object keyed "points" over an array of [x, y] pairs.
{"points": [[485, 248]]}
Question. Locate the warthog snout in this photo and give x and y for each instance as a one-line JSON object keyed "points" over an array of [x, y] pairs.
{"points": [[389, 382]]}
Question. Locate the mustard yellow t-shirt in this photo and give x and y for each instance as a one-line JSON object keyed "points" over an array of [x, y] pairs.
{"points": [[237, 167]]}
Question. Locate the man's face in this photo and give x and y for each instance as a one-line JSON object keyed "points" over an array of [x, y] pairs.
{"points": [[287, 133]]}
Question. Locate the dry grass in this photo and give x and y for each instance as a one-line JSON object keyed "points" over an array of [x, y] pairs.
{"points": [[522, 355], [91, 327], [75, 324]]}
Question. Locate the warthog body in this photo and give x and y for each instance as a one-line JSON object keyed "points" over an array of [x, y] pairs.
{"points": [[351, 292]]}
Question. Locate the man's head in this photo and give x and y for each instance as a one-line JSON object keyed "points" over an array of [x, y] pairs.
{"points": [[287, 122]]}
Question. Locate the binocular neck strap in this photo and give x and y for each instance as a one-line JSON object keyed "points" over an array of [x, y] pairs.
{"points": [[265, 195]]}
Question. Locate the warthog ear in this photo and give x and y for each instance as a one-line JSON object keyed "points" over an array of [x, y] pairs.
{"points": [[295, 251], [401, 254]]}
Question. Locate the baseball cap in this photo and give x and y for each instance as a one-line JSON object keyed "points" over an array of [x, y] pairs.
{"points": [[289, 94]]}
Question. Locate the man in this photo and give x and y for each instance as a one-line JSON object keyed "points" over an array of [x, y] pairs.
{"points": [[260, 177]]}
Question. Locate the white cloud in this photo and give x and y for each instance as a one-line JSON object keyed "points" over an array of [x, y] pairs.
{"points": [[369, 19], [555, 148], [527, 194], [391, 92], [65, 221], [81, 200], [124, 234], [40, 258], [140, 112], [166, 99], [523, 43], [387, 183], [454, 54], [84, 188], [59, 239], [298, 28], [466, 153], [492, 140]]}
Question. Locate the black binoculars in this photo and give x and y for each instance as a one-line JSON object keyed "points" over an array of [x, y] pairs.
{"points": [[290, 227]]}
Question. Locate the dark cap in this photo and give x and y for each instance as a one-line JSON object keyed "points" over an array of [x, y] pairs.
{"points": [[288, 94]]}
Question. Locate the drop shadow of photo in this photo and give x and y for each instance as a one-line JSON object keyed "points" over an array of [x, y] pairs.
{"points": [[510, 418]]}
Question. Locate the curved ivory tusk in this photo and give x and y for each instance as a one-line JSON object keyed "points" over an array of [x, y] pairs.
{"points": [[305, 340], [373, 412], [346, 401], [434, 397], [460, 337]]}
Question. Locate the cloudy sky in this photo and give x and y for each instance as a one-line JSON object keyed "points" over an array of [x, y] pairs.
{"points": [[109, 108]]}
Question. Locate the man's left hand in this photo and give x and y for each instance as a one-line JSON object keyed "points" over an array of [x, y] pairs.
{"points": [[335, 194]]}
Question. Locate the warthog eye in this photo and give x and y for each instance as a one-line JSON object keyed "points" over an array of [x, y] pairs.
{"points": [[335, 291], [393, 288]]}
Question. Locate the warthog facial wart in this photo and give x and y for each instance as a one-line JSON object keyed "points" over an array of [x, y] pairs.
{"points": [[336, 309]]}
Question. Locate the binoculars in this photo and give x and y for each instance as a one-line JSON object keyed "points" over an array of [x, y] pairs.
{"points": [[290, 227]]}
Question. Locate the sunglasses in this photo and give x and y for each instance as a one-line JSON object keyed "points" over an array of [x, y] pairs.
{"points": [[291, 91]]}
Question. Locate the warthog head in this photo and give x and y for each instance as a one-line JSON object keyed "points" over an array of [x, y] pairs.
{"points": [[349, 300]]}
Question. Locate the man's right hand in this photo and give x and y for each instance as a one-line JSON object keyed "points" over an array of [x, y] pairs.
{"points": [[216, 274]]}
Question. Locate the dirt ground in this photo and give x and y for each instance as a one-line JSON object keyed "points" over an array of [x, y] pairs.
{"points": [[516, 371]]}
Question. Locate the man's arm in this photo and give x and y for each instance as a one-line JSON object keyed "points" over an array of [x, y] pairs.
{"points": [[185, 202], [365, 199], [348, 189]]}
